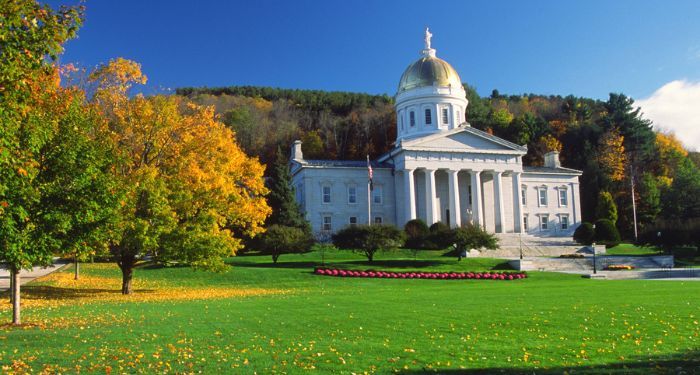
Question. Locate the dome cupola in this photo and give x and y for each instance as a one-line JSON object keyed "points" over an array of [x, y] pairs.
{"points": [[430, 96]]}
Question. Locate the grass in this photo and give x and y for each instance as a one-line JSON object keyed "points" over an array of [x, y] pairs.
{"points": [[181, 320], [631, 249]]}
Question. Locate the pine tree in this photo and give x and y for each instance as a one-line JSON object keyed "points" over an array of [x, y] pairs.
{"points": [[285, 209]]}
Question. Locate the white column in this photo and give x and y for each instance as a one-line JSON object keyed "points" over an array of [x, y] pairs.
{"points": [[498, 197], [453, 192], [409, 194], [430, 196], [517, 204], [477, 217]]}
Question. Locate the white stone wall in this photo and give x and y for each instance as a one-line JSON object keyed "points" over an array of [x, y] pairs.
{"points": [[312, 179], [554, 211]]}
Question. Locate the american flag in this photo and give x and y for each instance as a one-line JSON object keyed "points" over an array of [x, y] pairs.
{"points": [[369, 173]]}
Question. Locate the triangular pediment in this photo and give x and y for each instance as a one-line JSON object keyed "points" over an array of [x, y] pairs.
{"points": [[463, 139]]}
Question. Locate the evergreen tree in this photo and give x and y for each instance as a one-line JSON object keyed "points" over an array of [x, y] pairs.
{"points": [[606, 209], [285, 209]]}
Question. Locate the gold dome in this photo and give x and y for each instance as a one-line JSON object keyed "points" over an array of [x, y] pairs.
{"points": [[429, 71]]}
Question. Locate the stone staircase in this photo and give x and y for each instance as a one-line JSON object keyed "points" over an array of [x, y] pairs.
{"points": [[510, 245]]}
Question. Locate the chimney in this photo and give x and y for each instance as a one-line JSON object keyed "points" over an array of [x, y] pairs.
{"points": [[296, 151], [551, 159]]}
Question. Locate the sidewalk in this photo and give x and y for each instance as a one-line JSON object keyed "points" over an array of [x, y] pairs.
{"points": [[27, 276]]}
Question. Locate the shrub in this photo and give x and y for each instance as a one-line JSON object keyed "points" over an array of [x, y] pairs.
{"points": [[416, 233], [606, 208], [584, 234], [606, 233], [473, 237], [368, 239], [440, 237], [280, 239]]}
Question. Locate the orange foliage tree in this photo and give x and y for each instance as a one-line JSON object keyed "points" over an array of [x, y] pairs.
{"points": [[611, 154], [189, 192]]}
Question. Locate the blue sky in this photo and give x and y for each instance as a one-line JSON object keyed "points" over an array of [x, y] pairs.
{"points": [[585, 48]]}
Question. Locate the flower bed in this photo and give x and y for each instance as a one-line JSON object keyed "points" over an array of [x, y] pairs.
{"points": [[421, 275], [618, 267]]}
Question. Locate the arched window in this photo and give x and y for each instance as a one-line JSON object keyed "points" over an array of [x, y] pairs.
{"points": [[428, 117]]}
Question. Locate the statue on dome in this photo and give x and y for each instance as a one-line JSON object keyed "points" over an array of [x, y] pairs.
{"points": [[428, 35]]}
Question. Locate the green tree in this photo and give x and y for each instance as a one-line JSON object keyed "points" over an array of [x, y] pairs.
{"points": [[280, 239], [649, 201], [368, 239], [473, 237], [606, 233], [682, 199], [606, 208], [29, 117], [285, 209], [416, 233], [584, 234]]}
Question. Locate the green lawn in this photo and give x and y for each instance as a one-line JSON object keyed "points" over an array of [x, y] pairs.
{"points": [[548, 322], [631, 249]]}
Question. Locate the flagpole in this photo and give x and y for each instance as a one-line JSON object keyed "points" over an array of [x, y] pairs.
{"points": [[369, 192]]}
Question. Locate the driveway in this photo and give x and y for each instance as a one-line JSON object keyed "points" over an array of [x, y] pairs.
{"points": [[27, 276]]}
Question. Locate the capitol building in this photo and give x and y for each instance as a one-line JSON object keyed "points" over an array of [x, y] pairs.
{"points": [[440, 169]]}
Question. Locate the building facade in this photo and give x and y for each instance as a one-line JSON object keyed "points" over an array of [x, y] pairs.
{"points": [[440, 169]]}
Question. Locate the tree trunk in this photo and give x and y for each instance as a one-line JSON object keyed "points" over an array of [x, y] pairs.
{"points": [[77, 269], [274, 258], [370, 256], [126, 264], [14, 276], [12, 283]]}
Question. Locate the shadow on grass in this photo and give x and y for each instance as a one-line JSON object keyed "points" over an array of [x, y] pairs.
{"points": [[679, 363], [46, 292], [397, 263], [274, 265]]}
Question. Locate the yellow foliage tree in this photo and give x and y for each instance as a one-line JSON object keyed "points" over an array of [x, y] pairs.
{"points": [[611, 154], [189, 191], [550, 143], [671, 152]]}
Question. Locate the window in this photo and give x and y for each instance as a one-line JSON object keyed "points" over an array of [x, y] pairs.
{"points": [[562, 197], [353, 220], [445, 116], [564, 222], [412, 118], [401, 121], [327, 224], [470, 195], [326, 194], [428, 117], [525, 223], [377, 194], [543, 196], [377, 219], [352, 194], [544, 219], [523, 196]]}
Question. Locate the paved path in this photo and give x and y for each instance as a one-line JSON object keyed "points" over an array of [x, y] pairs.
{"points": [[27, 276]]}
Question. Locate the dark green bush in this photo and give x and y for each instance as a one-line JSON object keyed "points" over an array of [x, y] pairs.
{"points": [[440, 237], [280, 239], [416, 234], [606, 233], [368, 239], [584, 234]]}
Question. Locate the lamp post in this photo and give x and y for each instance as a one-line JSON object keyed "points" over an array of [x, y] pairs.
{"points": [[595, 268]]}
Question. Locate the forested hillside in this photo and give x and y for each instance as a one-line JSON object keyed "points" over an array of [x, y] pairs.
{"points": [[608, 140]]}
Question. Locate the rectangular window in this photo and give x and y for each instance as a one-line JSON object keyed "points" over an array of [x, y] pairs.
{"points": [[377, 194], [412, 118], [523, 196], [525, 223], [377, 219], [428, 117], [543, 196], [562, 198], [470, 195], [544, 220], [327, 224], [352, 194], [353, 220], [326, 194], [445, 116], [564, 222]]}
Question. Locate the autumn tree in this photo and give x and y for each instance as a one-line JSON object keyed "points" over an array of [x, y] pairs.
{"points": [[51, 173], [189, 192], [611, 154]]}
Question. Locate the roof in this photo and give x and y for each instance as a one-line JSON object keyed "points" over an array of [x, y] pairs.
{"points": [[558, 170], [343, 163]]}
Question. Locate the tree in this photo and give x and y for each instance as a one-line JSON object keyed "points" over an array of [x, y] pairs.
{"points": [[189, 192], [611, 154], [606, 233], [682, 199], [606, 208], [280, 239], [473, 237], [584, 234], [649, 199], [285, 209], [32, 114], [416, 233], [368, 239]]}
